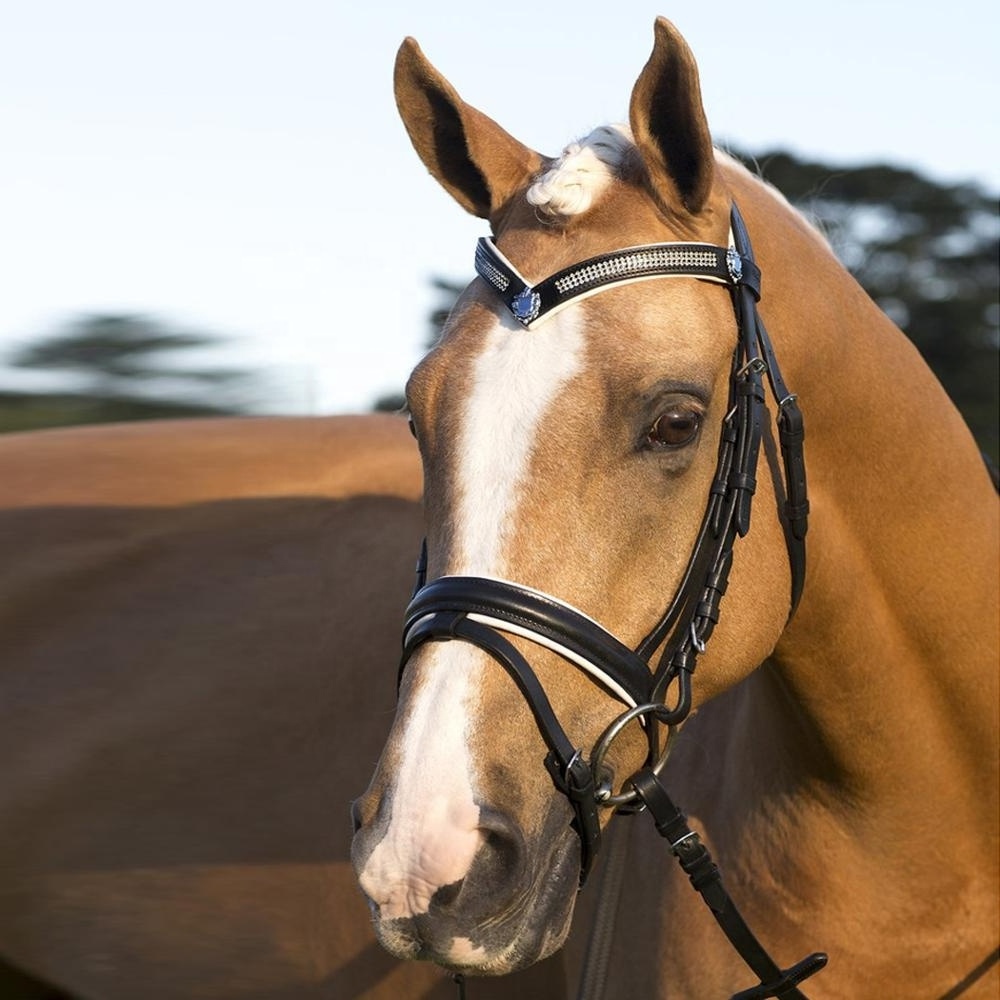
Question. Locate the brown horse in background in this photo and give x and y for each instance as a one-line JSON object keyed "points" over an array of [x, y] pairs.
{"points": [[195, 623], [575, 424]]}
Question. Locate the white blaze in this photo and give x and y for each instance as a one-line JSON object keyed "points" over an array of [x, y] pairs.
{"points": [[433, 832], [433, 828], [514, 382]]}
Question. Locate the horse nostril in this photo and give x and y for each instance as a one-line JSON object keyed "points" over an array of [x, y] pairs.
{"points": [[502, 852], [447, 894], [495, 872]]}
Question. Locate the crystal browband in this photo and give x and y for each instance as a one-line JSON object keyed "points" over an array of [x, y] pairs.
{"points": [[530, 304]]}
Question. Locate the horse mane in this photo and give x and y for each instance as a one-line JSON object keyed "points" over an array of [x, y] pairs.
{"points": [[814, 224]]}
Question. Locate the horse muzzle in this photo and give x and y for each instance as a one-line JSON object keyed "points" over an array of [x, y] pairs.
{"points": [[511, 908]]}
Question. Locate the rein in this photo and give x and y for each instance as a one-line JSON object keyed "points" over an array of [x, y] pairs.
{"points": [[484, 611]]}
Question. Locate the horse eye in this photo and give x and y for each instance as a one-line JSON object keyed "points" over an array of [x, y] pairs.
{"points": [[413, 426], [675, 428]]}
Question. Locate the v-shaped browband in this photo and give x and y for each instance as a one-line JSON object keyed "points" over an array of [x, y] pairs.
{"points": [[531, 304]]}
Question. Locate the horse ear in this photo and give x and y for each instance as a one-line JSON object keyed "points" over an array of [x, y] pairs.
{"points": [[472, 157], [669, 125]]}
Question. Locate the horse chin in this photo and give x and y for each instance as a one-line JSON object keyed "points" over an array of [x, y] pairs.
{"points": [[531, 929]]}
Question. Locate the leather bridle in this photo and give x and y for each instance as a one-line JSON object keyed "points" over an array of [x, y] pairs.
{"points": [[484, 611]]}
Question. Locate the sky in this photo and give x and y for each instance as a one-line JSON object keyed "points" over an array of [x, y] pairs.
{"points": [[238, 166]]}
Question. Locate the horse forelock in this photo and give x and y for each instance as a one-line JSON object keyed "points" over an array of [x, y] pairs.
{"points": [[572, 184], [575, 182]]}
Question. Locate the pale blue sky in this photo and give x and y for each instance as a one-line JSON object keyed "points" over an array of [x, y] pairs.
{"points": [[239, 166]]}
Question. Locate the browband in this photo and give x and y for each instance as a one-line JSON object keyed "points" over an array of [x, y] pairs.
{"points": [[530, 304]]}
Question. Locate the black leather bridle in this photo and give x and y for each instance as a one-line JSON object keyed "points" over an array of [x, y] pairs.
{"points": [[484, 611]]}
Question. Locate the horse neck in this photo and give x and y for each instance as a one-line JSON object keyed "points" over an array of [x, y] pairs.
{"points": [[888, 670]]}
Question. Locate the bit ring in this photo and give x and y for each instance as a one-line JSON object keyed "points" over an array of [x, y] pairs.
{"points": [[617, 800]]}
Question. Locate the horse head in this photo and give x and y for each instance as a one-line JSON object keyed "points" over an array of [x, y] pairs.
{"points": [[576, 458], [590, 424]]}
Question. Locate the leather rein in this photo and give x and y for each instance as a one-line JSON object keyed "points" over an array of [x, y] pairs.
{"points": [[654, 680]]}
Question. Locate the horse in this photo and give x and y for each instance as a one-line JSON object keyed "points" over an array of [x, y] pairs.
{"points": [[194, 617], [648, 318]]}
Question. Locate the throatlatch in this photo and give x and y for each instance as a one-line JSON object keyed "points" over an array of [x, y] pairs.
{"points": [[479, 610]]}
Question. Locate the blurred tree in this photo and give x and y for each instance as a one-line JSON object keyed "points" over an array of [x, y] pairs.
{"points": [[125, 367], [925, 252]]}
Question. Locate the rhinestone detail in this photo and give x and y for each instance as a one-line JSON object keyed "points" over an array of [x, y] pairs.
{"points": [[490, 272], [526, 306], [735, 264], [629, 264]]}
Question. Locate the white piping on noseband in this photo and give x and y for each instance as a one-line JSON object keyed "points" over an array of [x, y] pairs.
{"points": [[588, 666]]}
